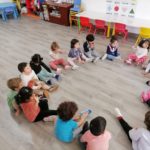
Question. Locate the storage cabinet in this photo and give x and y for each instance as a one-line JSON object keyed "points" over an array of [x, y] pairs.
{"points": [[56, 13]]}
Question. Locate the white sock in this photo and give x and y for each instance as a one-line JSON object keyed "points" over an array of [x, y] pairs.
{"points": [[118, 113]]}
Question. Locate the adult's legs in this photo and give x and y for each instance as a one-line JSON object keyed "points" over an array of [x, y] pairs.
{"points": [[95, 54], [89, 54], [126, 127]]}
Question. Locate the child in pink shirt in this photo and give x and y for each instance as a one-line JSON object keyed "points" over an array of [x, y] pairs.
{"points": [[96, 138]]}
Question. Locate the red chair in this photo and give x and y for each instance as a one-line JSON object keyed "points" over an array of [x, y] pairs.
{"points": [[121, 29], [100, 24], [85, 23]]}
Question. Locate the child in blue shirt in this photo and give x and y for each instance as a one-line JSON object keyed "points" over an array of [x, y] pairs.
{"points": [[112, 50], [66, 122]]}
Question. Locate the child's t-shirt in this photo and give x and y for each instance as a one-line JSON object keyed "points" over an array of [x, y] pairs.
{"points": [[141, 52], [64, 130], [100, 142], [74, 53], [55, 55], [10, 98], [140, 139], [26, 78], [31, 109]]}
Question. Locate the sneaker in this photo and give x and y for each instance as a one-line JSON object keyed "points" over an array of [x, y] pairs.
{"points": [[75, 67], [89, 60], [104, 57], [96, 59], [86, 110], [118, 113], [48, 119]]}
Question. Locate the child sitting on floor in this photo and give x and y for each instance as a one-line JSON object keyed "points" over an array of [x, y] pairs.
{"points": [[112, 50], [34, 108], [14, 84], [67, 122], [140, 56], [75, 54], [28, 77], [55, 58], [96, 137], [43, 72], [139, 137], [89, 48]]}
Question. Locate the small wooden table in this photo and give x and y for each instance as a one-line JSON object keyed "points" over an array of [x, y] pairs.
{"points": [[56, 12]]}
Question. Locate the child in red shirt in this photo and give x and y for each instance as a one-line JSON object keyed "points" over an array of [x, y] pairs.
{"points": [[34, 108]]}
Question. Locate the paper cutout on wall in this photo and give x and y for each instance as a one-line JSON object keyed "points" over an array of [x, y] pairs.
{"points": [[116, 8], [132, 11], [121, 7]]}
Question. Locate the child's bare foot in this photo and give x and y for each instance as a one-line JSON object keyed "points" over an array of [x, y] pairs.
{"points": [[67, 67]]}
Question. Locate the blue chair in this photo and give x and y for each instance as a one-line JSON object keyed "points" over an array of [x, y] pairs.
{"points": [[73, 11], [76, 6]]}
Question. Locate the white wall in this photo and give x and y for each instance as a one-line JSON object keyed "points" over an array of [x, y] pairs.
{"points": [[5, 1], [142, 9]]}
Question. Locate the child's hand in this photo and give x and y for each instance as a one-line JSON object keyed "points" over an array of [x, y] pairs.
{"points": [[84, 115], [17, 112], [39, 86], [134, 47]]}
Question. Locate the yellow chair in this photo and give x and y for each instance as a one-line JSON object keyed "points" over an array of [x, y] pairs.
{"points": [[144, 33], [72, 17], [17, 3]]}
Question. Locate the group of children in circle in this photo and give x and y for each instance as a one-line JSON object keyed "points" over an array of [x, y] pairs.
{"points": [[29, 93]]}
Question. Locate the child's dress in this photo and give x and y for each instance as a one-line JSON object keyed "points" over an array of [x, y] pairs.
{"points": [[56, 60], [139, 56]]}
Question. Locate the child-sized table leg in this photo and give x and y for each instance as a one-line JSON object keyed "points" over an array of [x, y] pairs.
{"points": [[113, 32], [108, 30], [79, 26]]}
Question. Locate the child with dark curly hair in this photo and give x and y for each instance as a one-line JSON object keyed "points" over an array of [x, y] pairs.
{"points": [[67, 122]]}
